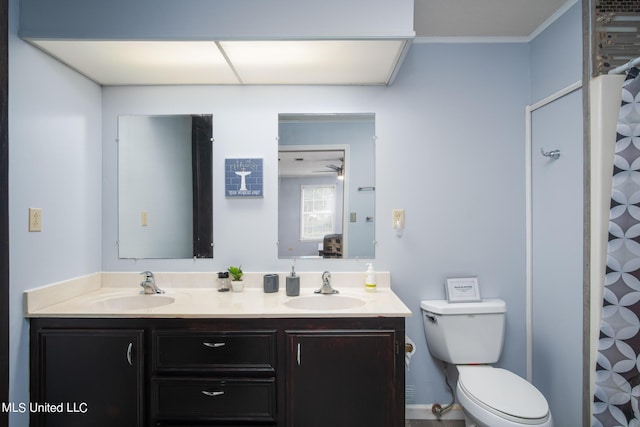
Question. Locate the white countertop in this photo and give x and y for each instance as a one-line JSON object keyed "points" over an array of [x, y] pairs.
{"points": [[197, 297]]}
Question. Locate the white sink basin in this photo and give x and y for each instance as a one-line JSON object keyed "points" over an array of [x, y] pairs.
{"points": [[134, 302], [325, 302]]}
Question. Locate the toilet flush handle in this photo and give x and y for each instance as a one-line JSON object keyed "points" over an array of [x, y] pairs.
{"points": [[432, 318]]}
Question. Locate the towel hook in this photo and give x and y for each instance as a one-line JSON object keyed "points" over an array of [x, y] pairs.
{"points": [[553, 154]]}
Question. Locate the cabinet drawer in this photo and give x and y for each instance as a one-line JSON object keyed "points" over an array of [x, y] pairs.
{"points": [[214, 399], [215, 351]]}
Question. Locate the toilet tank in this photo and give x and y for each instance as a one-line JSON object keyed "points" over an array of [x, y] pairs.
{"points": [[464, 333]]}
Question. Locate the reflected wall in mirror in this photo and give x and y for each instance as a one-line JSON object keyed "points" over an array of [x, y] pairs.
{"points": [[165, 193], [326, 185]]}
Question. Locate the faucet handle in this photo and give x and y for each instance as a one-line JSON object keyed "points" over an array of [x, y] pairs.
{"points": [[149, 284], [326, 285], [147, 274]]}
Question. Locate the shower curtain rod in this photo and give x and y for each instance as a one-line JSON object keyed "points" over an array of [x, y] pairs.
{"points": [[625, 67]]}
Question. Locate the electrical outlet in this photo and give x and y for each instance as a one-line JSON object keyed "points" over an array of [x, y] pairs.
{"points": [[35, 219], [144, 220], [398, 218]]}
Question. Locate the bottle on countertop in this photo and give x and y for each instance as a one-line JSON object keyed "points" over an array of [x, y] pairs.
{"points": [[223, 281], [370, 279], [293, 284]]}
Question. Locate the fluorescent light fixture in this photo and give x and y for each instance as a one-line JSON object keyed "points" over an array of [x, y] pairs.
{"points": [[361, 62], [143, 62], [314, 61]]}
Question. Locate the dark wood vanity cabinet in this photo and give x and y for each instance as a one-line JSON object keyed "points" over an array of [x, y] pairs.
{"points": [[87, 377], [213, 376], [341, 377], [220, 372]]}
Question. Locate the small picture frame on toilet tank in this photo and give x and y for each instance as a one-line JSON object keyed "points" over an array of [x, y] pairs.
{"points": [[463, 289]]}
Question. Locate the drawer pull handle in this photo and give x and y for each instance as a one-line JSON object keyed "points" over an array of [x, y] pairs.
{"points": [[214, 344], [212, 393]]}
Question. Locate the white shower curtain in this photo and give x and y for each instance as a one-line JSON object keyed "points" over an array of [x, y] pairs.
{"points": [[617, 376]]}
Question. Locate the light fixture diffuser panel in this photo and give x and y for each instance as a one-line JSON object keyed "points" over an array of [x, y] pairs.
{"points": [[143, 62], [363, 62], [284, 62]]}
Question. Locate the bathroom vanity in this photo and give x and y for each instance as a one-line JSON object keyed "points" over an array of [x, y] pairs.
{"points": [[283, 367]]}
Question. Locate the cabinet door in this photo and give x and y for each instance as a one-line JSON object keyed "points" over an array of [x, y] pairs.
{"points": [[93, 376], [341, 378]]}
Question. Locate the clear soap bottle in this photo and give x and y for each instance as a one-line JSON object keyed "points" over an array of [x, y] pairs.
{"points": [[370, 279]]}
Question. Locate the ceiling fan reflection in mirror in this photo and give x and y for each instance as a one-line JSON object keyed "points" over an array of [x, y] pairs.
{"points": [[333, 168]]}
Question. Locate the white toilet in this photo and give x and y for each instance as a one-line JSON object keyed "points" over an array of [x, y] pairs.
{"points": [[470, 336]]}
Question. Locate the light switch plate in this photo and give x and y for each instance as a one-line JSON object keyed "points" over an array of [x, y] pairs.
{"points": [[35, 219], [398, 218]]}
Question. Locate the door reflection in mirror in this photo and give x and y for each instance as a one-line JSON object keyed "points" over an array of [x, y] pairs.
{"points": [[317, 153]]}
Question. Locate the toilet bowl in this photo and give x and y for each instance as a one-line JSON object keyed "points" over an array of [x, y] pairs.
{"points": [[495, 397], [470, 336]]}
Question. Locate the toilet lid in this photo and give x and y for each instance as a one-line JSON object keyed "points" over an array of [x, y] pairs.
{"points": [[503, 391]]}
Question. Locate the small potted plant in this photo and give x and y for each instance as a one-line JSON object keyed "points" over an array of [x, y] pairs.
{"points": [[236, 278]]}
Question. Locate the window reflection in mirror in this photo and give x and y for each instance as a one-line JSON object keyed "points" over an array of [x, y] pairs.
{"points": [[326, 197], [165, 200]]}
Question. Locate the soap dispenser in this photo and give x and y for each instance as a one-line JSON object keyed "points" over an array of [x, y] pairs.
{"points": [[370, 279], [293, 284]]}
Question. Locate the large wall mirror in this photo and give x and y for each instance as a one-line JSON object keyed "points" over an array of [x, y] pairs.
{"points": [[165, 207], [326, 197]]}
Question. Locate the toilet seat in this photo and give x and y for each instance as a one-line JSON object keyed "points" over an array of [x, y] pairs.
{"points": [[503, 394]]}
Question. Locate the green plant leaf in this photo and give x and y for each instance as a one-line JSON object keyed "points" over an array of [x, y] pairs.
{"points": [[236, 272]]}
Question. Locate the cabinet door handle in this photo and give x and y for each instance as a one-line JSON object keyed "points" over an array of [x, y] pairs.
{"points": [[214, 344], [212, 393], [130, 354], [298, 355]]}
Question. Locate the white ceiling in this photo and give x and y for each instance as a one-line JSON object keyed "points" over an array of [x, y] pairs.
{"points": [[484, 18], [362, 62], [309, 163]]}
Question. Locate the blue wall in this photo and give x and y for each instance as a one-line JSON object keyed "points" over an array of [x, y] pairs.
{"points": [[556, 55], [55, 163], [450, 151], [459, 117], [215, 20], [557, 211]]}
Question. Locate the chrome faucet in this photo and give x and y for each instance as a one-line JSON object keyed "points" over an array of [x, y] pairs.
{"points": [[149, 284], [326, 288]]}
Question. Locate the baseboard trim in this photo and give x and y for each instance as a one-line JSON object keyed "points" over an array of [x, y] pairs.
{"points": [[423, 412]]}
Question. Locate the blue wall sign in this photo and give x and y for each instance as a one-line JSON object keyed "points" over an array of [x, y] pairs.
{"points": [[243, 178]]}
